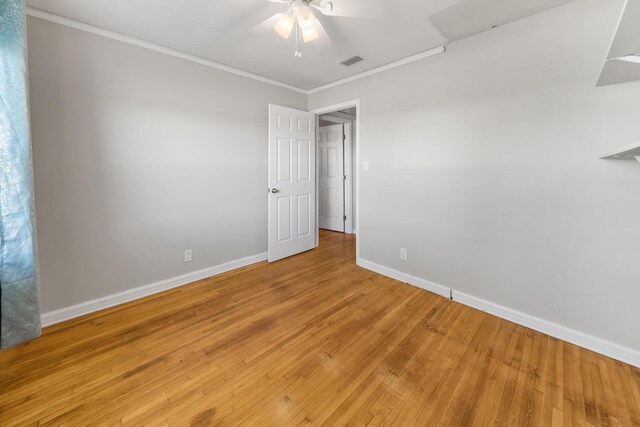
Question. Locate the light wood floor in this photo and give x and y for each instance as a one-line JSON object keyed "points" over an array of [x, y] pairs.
{"points": [[309, 340]]}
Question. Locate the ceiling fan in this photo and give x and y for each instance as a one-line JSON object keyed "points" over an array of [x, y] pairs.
{"points": [[301, 19]]}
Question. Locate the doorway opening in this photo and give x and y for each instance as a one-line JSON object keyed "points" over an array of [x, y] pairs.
{"points": [[337, 166]]}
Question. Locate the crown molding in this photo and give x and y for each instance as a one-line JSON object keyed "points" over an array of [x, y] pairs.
{"points": [[37, 13], [387, 67]]}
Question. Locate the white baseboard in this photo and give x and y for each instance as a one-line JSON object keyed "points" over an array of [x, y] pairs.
{"points": [[598, 345], [406, 278], [87, 307]]}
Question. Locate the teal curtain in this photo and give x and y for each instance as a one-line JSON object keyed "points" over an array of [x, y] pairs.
{"points": [[19, 308]]}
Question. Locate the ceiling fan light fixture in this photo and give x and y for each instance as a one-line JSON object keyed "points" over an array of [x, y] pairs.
{"points": [[284, 25], [310, 34], [306, 17]]}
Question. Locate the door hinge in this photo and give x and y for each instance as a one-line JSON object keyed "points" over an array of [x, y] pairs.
{"points": [[345, 217], [344, 177], [344, 137]]}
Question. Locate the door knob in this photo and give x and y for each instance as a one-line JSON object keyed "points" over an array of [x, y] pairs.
{"points": [[275, 190]]}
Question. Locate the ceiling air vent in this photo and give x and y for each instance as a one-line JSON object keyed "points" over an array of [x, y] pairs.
{"points": [[353, 60]]}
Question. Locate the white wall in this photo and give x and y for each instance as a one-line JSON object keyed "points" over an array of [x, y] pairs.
{"points": [[484, 165], [139, 156]]}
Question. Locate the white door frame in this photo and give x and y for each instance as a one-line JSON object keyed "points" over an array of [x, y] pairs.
{"points": [[348, 167], [331, 109]]}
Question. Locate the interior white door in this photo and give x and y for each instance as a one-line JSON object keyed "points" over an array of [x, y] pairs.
{"points": [[331, 177], [292, 182]]}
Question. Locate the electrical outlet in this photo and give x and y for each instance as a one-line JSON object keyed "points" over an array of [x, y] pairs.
{"points": [[403, 254], [188, 255]]}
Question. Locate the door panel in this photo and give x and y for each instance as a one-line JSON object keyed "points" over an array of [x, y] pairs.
{"points": [[304, 125], [284, 160], [304, 161], [292, 171], [304, 215], [331, 177], [284, 218]]}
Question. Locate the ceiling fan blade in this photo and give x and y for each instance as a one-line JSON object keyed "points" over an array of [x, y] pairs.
{"points": [[352, 8], [264, 27], [324, 41]]}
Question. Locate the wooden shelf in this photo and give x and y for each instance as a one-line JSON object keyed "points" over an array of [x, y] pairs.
{"points": [[631, 151]]}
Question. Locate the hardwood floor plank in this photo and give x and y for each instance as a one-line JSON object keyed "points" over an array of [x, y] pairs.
{"points": [[311, 340]]}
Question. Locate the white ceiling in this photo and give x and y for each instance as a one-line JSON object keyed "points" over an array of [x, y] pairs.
{"points": [[216, 30]]}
